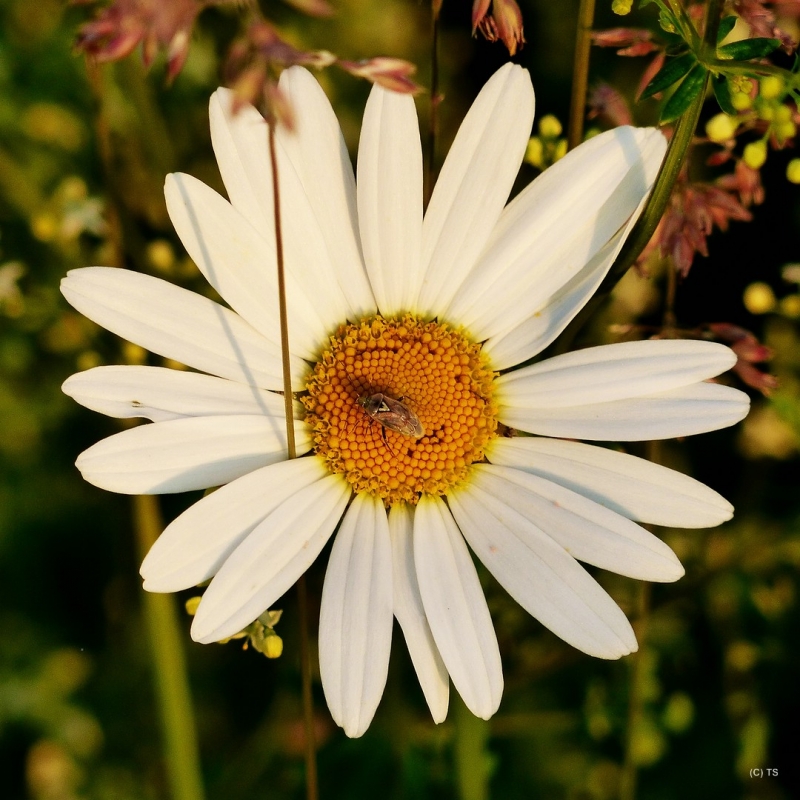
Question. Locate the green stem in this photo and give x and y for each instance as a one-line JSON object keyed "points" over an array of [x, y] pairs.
{"points": [[580, 73], [164, 629], [668, 174], [472, 758], [628, 778], [172, 683], [656, 205], [662, 190]]}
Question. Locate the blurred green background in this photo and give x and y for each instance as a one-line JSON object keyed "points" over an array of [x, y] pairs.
{"points": [[714, 691]]}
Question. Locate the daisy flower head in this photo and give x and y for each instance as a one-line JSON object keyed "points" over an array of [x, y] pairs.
{"points": [[406, 332]]}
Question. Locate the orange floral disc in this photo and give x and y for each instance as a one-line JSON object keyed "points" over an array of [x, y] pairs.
{"points": [[433, 373]]}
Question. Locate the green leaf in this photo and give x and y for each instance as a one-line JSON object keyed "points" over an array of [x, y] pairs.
{"points": [[747, 49], [725, 27], [722, 91], [667, 21], [690, 87], [672, 71]]}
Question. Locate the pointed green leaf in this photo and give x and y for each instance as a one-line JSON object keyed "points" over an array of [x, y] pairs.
{"points": [[725, 27], [672, 71], [722, 91], [747, 49], [682, 98], [667, 21]]}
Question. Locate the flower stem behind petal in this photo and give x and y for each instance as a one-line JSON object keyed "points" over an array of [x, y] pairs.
{"points": [[472, 758], [580, 73], [172, 684], [312, 790]]}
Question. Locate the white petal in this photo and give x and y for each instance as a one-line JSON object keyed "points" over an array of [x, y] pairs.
{"points": [[456, 608], [241, 145], [158, 394], [541, 576], [410, 614], [317, 150], [270, 559], [189, 453], [536, 332], [633, 487], [613, 372], [194, 546], [474, 184], [355, 620], [178, 324], [550, 231], [240, 264], [587, 531], [698, 408], [390, 199]]}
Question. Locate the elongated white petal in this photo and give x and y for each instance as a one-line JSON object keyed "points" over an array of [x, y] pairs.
{"points": [[474, 184], [178, 324], [270, 559], [456, 608], [179, 455], [390, 199], [698, 408], [631, 486], [158, 394], [587, 531], [541, 576], [613, 372], [410, 614], [355, 620], [552, 229], [195, 545], [541, 328], [241, 145], [240, 264], [319, 155]]}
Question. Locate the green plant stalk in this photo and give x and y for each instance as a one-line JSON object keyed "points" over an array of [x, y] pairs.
{"points": [[662, 190], [471, 755], [164, 630], [169, 663], [670, 169], [628, 777], [580, 73]]}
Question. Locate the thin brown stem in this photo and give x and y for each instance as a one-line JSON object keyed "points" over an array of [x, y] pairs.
{"points": [[433, 121], [288, 397], [580, 73], [312, 784]]}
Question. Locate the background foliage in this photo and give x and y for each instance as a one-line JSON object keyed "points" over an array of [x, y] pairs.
{"points": [[713, 693]]}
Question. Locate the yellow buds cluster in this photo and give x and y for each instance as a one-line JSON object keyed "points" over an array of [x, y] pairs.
{"points": [[546, 148], [793, 171]]}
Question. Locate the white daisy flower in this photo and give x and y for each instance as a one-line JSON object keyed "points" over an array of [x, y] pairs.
{"points": [[426, 319]]}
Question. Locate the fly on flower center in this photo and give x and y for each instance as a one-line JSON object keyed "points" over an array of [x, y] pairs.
{"points": [[401, 407]]}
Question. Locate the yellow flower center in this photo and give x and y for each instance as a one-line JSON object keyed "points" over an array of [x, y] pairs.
{"points": [[383, 382]]}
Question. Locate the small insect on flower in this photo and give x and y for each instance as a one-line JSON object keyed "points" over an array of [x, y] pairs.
{"points": [[392, 414]]}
